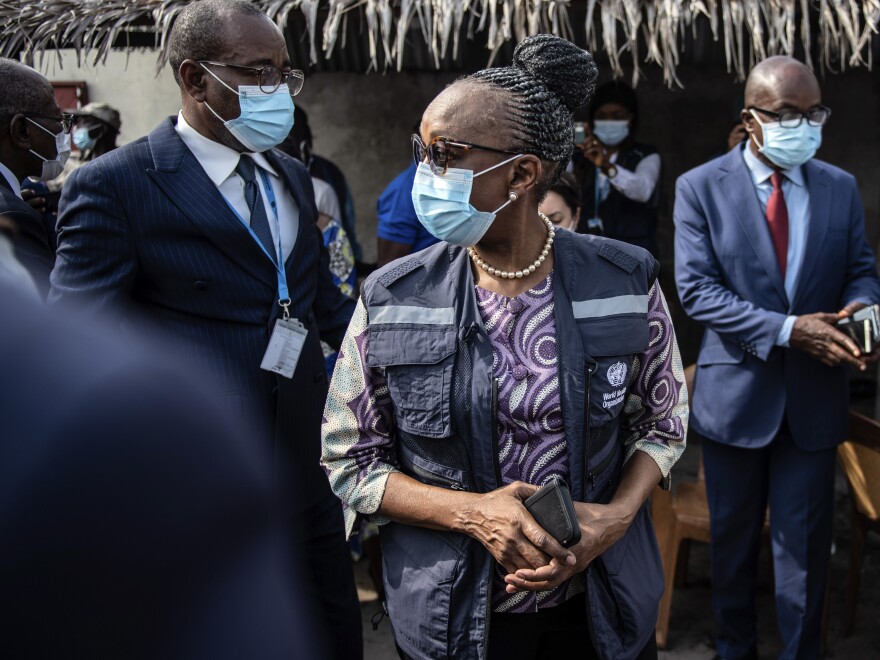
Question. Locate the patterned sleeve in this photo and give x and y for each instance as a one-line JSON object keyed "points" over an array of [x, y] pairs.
{"points": [[655, 415], [358, 450]]}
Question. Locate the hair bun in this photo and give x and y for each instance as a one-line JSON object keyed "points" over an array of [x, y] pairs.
{"points": [[563, 68]]}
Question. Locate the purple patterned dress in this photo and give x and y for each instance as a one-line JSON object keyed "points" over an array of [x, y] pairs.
{"points": [[531, 438]]}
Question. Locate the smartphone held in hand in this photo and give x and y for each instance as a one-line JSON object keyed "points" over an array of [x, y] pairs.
{"points": [[863, 327]]}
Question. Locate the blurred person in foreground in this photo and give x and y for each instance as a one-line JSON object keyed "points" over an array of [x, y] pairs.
{"points": [[619, 175], [508, 355], [34, 142], [138, 519], [770, 253], [562, 204], [205, 236]]}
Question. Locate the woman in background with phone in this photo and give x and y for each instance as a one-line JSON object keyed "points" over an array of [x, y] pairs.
{"points": [[505, 358], [619, 177]]}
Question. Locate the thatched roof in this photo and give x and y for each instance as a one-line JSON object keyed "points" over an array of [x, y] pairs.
{"points": [[834, 34]]}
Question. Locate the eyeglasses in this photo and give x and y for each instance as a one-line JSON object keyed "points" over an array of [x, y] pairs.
{"points": [[270, 77], [437, 153], [792, 118], [66, 120]]}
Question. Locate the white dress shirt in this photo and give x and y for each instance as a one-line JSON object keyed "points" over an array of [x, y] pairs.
{"points": [[7, 174], [797, 201], [219, 163], [640, 183]]}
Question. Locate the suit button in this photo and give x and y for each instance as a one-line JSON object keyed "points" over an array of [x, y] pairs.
{"points": [[520, 372], [515, 306], [521, 436], [199, 285]]}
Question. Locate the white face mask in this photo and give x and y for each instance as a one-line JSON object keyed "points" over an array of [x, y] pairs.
{"points": [[54, 166]]}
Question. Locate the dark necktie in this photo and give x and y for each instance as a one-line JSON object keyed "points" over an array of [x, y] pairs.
{"points": [[259, 222], [777, 219]]}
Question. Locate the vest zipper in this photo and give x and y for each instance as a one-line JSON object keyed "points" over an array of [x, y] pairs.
{"points": [[426, 474], [495, 448], [587, 438]]}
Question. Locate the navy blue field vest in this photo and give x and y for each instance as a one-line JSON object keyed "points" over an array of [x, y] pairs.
{"points": [[624, 219], [426, 335]]}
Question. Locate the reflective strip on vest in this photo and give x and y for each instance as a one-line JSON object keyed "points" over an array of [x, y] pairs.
{"points": [[589, 309], [408, 314]]}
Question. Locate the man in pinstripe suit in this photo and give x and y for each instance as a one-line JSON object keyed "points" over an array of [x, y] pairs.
{"points": [[176, 232]]}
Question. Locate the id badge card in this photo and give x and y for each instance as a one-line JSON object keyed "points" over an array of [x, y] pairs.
{"points": [[285, 345]]}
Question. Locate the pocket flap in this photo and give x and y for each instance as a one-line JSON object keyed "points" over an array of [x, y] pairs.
{"points": [[400, 346], [615, 335]]}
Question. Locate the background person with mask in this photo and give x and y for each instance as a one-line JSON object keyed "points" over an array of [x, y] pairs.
{"points": [[203, 234], [34, 142], [770, 252], [619, 176]]}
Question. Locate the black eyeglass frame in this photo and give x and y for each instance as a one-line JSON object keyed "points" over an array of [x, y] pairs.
{"points": [[284, 76], [66, 120], [422, 151], [781, 117]]}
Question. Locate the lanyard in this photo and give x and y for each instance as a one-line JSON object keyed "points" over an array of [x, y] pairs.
{"points": [[596, 195], [278, 259]]}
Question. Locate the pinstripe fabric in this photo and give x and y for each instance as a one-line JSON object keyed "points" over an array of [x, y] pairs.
{"points": [[144, 232]]}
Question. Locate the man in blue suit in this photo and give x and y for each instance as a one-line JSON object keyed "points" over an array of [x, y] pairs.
{"points": [[202, 234], [770, 252]]}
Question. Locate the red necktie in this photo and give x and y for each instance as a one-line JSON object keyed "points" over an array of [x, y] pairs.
{"points": [[777, 219]]}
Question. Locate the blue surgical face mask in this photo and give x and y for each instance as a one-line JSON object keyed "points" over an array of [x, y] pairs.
{"points": [[82, 139], [265, 119], [788, 148], [443, 206], [52, 167], [611, 132]]}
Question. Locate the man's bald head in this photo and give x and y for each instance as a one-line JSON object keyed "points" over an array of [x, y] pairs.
{"points": [[22, 91], [778, 76]]}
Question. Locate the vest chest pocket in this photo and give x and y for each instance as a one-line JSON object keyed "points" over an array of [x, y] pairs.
{"points": [[418, 364], [613, 343]]}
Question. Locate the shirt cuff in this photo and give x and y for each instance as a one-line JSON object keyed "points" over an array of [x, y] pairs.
{"points": [[785, 331]]}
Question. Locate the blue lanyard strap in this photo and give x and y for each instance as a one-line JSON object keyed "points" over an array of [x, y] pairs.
{"points": [[278, 259], [596, 195]]}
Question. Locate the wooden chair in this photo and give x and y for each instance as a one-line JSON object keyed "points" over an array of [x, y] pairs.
{"points": [[860, 459], [680, 518]]}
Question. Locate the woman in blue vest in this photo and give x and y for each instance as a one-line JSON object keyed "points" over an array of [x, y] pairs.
{"points": [[507, 355], [620, 177]]}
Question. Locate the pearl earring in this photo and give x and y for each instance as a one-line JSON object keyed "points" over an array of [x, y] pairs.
{"points": [[513, 196]]}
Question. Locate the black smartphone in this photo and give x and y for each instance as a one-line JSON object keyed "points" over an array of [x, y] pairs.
{"points": [[863, 328]]}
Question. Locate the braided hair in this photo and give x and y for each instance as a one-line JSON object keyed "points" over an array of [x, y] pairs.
{"points": [[550, 78]]}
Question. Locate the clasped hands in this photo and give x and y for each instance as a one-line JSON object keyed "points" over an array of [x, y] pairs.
{"points": [[817, 335], [534, 559]]}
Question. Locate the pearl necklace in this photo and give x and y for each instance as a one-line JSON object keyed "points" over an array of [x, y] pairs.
{"points": [[528, 270]]}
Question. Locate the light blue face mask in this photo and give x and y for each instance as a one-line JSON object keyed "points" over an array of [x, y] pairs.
{"points": [[443, 204], [611, 132], [82, 139], [788, 147], [265, 119]]}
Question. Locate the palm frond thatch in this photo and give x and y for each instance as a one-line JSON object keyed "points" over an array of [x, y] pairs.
{"points": [[750, 29]]}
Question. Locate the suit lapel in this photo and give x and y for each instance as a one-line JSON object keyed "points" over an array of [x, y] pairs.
{"points": [[739, 190], [179, 175], [819, 189]]}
